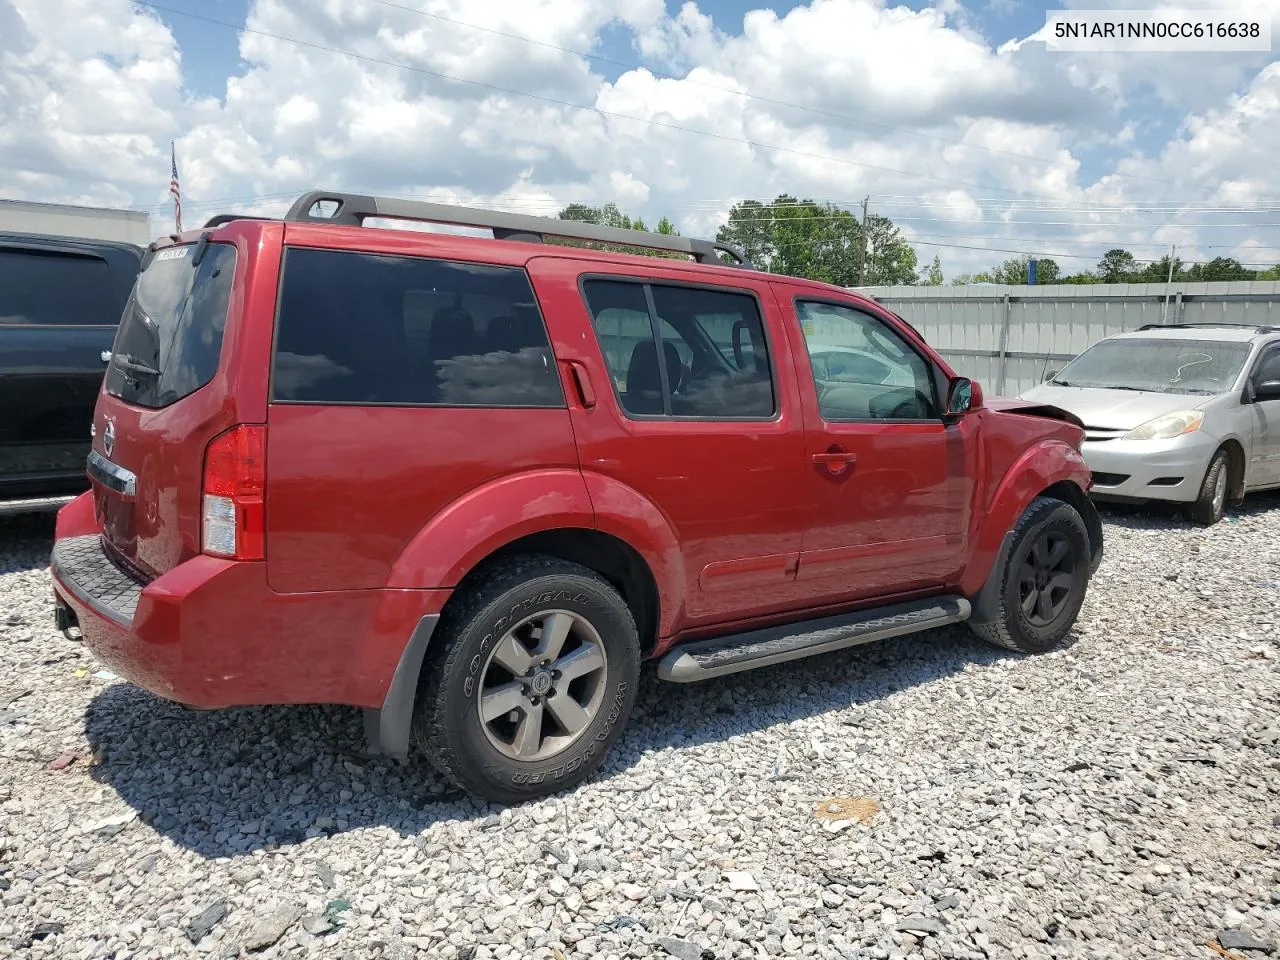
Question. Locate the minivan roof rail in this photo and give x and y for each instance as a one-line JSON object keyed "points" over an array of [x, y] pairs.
{"points": [[1259, 328], [351, 209]]}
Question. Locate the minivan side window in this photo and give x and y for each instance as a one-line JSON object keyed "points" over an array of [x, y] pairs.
{"points": [[358, 328], [47, 287], [864, 369], [676, 351]]}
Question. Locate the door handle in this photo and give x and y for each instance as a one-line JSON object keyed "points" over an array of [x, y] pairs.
{"points": [[836, 460], [582, 380]]}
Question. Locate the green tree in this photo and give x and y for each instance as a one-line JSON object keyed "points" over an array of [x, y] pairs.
{"points": [[1014, 271], [1219, 269], [803, 238], [610, 216], [1272, 274], [932, 274], [1158, 272], [1117, 266]]}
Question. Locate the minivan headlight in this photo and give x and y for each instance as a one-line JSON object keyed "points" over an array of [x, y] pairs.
{"points": [[1168, 426]]}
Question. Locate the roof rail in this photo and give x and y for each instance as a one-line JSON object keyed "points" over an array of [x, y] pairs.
{"points": [[353, 209], [1258, 328], [222, 218]]}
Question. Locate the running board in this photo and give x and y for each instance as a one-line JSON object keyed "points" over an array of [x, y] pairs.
{"points": [[703, 659]]}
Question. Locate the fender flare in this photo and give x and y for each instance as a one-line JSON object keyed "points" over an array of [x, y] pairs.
{"points": [[1039, 467], [487, 518]]}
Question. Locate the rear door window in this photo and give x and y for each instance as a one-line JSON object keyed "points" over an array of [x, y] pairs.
{"points": [[170, 337], [714, 360], [358, 328], [43, 288]]}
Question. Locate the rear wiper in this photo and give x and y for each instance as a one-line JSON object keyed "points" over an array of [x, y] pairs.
{"points": [[131, 364]]}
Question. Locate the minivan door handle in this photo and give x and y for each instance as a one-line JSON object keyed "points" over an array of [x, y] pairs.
{"points": [[582, 380], [836, 460]]}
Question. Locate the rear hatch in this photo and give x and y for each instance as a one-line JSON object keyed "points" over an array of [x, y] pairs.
{"points": [[162, 401]]}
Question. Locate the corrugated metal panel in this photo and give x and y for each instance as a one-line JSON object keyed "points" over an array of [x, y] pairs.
{"points": [[1047, 325]]}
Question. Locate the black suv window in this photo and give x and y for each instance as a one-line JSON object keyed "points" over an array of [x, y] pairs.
{"points": [[170, 336], [683, 351], [47, 287], [370, 329]]}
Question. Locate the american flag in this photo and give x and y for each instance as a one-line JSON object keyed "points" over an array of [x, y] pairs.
{"points": [[175, 188]]}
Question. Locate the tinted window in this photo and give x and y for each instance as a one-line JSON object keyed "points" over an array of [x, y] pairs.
{"points": [[1269, 366], [44, 288], [863, 369], [170, 337], [362, 328], [701, 373]]}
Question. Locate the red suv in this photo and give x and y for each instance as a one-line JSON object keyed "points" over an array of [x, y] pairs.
{"points": [[469, 483]]}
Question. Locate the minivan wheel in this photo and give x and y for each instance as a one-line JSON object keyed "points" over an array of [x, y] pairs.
{"points": [[1208, 506], [1045, 580], [530, 682]]}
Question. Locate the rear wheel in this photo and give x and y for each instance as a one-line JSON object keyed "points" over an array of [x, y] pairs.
{"points": [[1044, 582], [532, 680], [1208, 506]]}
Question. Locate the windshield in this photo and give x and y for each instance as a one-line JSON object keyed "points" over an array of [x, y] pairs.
{"points": [[1157, 366], [170, 335]]}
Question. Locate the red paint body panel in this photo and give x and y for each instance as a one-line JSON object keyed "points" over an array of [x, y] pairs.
{"points": [[212, 633], [349, 488], [374, 514]]}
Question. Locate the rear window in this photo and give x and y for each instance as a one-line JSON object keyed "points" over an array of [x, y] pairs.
{"points": [[170, 337], [45, 287], [358, 328]]}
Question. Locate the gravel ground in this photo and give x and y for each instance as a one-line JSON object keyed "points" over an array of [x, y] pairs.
{"points": [[1120, 799]]}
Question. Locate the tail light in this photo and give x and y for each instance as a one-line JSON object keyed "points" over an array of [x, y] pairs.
{"points": [[233, 521]]}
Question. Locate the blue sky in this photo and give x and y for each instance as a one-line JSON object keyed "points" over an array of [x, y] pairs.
{"points": [[977, 141]]}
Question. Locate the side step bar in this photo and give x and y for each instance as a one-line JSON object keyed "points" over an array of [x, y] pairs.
{"points": [[34, 504], [703, 659]]}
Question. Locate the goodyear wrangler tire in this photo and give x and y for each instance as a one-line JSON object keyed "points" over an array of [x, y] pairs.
{"points": [[1044, 580], [531, 680]]}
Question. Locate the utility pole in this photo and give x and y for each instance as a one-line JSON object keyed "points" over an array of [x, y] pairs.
{"points": [[1164, 313], [862, 259]]}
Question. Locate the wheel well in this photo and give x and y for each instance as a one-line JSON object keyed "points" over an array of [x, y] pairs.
{"points": [[1069, 492], [1235, 470], [613, 559]]}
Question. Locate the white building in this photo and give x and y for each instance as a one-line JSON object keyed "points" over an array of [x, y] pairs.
{"points": [[89, 223]]}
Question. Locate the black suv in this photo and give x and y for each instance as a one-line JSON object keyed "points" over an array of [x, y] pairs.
{"points": [[60, 302]]}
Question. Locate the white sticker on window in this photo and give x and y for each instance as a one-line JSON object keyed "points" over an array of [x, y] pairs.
{"points": [[172, 253]]}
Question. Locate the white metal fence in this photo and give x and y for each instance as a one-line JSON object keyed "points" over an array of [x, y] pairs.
{"points": [[1009, 337]]}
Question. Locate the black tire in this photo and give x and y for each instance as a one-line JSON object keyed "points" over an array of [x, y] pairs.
{"points": [[511, 596], [1029, 578], [1212, 499]]}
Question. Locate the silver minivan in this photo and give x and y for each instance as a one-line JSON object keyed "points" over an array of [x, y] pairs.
{"points": [[1184, 413]]}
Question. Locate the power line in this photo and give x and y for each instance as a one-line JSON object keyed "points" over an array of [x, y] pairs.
{"points": [[552, 100], [751, 96]]}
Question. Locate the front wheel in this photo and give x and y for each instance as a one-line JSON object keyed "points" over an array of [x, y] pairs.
{"points": [[531, 682], [1044, 581], [1208, 505]]}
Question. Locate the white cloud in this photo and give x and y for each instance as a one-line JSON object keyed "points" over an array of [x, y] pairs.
{"points": [[860, 96]]}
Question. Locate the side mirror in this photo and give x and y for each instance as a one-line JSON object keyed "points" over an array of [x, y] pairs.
{"points": [[963, 397], [1050, 375], [1266, 390]]}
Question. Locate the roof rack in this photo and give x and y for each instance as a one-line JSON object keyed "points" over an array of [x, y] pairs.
{"points": [[1257, 328], [352, 209], [222, 218]]}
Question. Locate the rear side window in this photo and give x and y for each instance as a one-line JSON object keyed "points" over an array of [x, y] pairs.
{"points": [[360, 328], [170, 337], [46, 287], [678, 351]]}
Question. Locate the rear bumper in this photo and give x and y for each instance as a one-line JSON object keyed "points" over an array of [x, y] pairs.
{"points": [[211, 633], [1150, 469]]}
